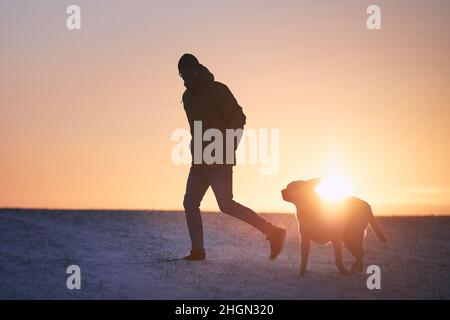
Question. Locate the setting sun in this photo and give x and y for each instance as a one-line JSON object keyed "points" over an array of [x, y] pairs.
{"points": [[333, 188]]}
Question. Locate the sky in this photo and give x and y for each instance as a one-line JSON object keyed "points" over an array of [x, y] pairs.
{"points": [[86, 116]]}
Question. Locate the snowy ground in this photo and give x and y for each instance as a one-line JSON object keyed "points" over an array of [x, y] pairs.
{"points": [[123, 255]]}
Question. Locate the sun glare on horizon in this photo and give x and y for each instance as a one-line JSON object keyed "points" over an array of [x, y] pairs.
{"points": [[334, 188]]}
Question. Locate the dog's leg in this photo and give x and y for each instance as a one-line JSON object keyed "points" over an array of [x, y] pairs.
{"points": [[352, 246], [338, 255], [358, 252], [305, 244]]}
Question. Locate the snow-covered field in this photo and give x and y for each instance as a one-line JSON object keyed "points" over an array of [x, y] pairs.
{"points": [[127, 255]]}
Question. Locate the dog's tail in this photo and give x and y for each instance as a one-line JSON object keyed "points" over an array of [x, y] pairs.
{"points": [[376, 227]]}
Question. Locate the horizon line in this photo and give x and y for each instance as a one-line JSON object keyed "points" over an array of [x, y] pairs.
{"points": [[203, 211]]}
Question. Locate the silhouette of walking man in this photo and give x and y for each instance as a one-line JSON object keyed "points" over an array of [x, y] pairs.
{"points": [[212, 103]]}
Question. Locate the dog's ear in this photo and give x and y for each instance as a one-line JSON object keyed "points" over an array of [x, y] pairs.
{"points": [[315, 182], [295, 183]]}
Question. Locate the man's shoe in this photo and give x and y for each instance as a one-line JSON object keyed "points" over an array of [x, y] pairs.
{"points": [[276, 239], [196, 255]]}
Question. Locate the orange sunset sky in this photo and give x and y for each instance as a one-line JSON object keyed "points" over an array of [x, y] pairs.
{"points": [[86, 116]]}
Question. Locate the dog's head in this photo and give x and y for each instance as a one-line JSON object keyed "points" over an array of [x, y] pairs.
{"points": [[301, 192]]}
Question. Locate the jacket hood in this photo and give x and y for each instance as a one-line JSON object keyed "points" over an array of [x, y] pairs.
{"points": [[203, 76]]}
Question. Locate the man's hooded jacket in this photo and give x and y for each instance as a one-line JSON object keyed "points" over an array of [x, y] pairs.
{"points": [[212, 103]]}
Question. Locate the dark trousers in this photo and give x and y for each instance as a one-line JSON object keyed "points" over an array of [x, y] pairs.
{"points": [[221, 181]]}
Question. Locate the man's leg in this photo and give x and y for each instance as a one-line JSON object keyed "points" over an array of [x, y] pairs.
{"points": [[221, 181], [195, 190]]}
